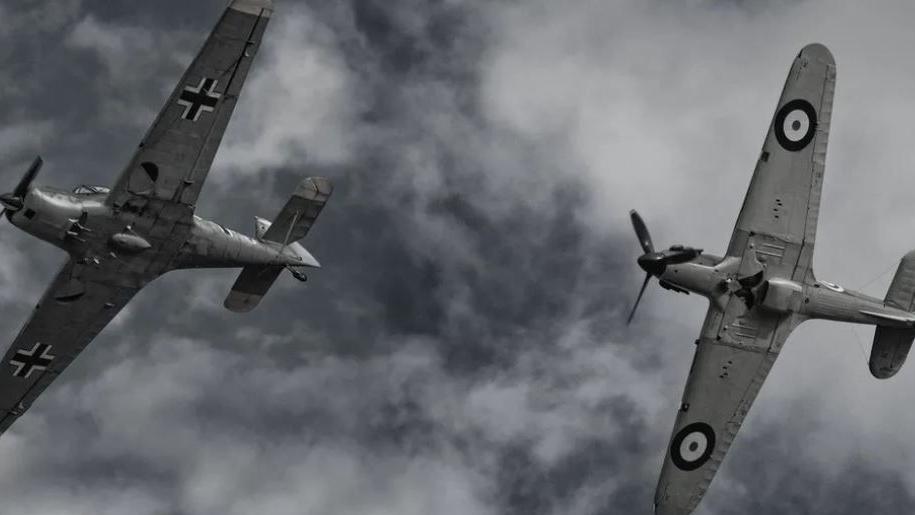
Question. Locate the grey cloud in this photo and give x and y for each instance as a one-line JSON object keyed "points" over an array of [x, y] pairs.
{"points": [[42, 18], [462, 350], [117, 48], [302, 109]]}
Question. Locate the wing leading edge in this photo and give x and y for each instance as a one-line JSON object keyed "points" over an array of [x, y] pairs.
{"points": [[774, 234]]}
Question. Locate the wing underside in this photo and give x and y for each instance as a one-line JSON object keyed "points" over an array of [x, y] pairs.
{"points": [[175, 156], [774, 237], [728, 371], [157, 193], [778, 219], [74, 309]]}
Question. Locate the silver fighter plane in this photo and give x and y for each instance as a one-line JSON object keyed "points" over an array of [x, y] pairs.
{"points": [[764, 287], [120, 239]]}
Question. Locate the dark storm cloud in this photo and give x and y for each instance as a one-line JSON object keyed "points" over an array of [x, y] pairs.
{"points": [[462, 349], [431, 293]]}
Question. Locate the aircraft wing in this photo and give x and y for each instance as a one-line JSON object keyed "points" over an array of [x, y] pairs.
{"points": [[74, 309], [734, 354], [169, 168], [778, 219], [774, 236]]}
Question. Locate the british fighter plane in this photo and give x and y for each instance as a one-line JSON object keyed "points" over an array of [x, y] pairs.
{"points": [[764, 287], [120, 239]]}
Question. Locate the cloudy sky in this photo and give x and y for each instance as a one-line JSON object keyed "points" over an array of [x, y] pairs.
{"points": [[463, 351]]}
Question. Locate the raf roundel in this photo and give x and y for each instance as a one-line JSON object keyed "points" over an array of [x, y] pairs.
{"points": [[795, 125], [692, 446]]}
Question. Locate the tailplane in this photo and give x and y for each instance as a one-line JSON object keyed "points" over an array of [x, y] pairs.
{"points": [[300, 212], [251, 286], [891, 344], [290, 225]]}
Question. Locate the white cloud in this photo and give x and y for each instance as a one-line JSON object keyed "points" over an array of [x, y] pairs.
{"points": [[41, 18], [19, 136], [119, 48], [297, 107], [195, 413], [666, 105], [652, 105]]}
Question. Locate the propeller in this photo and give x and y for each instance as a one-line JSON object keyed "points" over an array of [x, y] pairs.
{"points": [[655, 262], [638, 299], [13, 201], [641, 231]]}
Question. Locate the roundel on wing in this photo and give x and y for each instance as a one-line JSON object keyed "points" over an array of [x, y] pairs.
{"points": [[795, 125], [833, 286], [692, 446]]}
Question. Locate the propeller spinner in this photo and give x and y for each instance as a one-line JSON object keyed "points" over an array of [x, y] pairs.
{"points": [[13, 201], [654, 262]]}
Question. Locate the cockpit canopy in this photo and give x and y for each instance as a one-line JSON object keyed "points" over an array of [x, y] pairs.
{"points": [[90, 190]]}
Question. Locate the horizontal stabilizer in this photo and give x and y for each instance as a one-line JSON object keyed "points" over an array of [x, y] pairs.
{"points": [[905, 319], [251, 286], [300, 212], [891, 345]]}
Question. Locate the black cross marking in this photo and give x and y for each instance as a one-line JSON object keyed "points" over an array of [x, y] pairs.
{"points": [[26, 361], [197, 99]]}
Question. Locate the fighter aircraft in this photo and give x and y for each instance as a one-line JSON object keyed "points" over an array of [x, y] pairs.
{"points": [[764, 287], [120, 239]]}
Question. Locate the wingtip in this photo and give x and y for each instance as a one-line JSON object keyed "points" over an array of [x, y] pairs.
{"points": [[239, 302], [817, 51], [882, 370], [255, 7]]}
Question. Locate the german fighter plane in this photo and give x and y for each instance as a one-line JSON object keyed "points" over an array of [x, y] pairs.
{"points": [[120, 239], [764, 287]]}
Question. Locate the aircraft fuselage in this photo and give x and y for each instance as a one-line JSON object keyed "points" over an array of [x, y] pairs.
{"points": [[716, 278], [87, 228]]}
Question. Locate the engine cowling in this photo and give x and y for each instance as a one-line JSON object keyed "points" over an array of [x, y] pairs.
{"points": [[781, 295]]}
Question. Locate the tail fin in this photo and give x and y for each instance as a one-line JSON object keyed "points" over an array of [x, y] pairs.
{"points": [[289, 226], [891, 345]]}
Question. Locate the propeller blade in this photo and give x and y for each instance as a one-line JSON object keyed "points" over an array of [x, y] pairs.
{"points": [[641, 231], [639, 298], [23, 187]]}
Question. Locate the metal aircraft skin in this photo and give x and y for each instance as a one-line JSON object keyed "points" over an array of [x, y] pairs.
{"points": [[120, 239], [764, 287]]}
